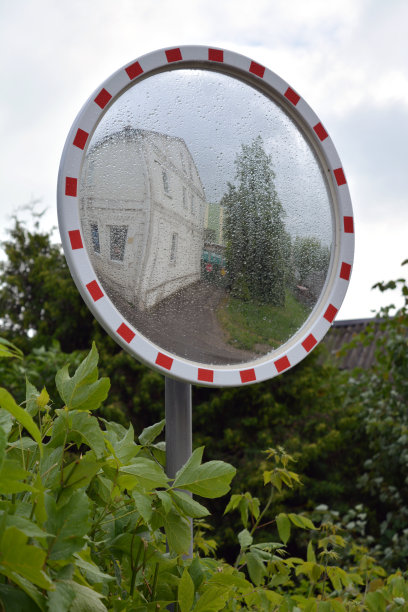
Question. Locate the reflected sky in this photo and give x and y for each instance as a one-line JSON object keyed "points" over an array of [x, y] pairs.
{"points": [[215, 114]]}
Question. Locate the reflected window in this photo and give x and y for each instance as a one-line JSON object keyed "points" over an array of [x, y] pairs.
{"points": [[95, 238], [173, 249], [91, 171], [165, 182], [118, 235], [182, 162], [184, 197]]}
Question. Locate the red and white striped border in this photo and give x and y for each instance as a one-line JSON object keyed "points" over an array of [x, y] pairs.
{"points": [[323, 315]]}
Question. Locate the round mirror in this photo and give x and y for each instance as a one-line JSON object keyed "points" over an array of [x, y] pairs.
{"points": [[212, 232]]}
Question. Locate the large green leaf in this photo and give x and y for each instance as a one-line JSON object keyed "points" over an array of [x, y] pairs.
{"points": [[267, 600], [376, 602], [50, 464], [149, 434], [16, 556], [311, 556], [231, 580], [211, 479], [3, 444], [13, 478], [39, 500], [6, 421], [310, 569], [189, 506], [196, 572], [167, 502], [8, 349], [92, 572], [87, 428], [31, 398], [301, 521], [178, 532], [245, 539], [83, 391], [337, 606], [148, 473], [30, 529], [185, 592], [69, 523], [79, 427], [78, 475], [283, 524], [7, 402], [30, 589], [24, 443], [86, 599], [35, 400], [193, 462], [122, 441], [213, 599], [143, 504], [60, 600], [256, 568], [130, 543], [15, 600]]}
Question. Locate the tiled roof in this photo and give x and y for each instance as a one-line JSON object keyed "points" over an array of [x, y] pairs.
{"points": [[342, 332]]}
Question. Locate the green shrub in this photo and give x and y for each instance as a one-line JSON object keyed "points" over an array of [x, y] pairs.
{"points": [[89, 521]]}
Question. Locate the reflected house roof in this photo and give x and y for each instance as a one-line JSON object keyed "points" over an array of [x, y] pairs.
{"points": [[130, 134], [166, 146], [343, 332]]}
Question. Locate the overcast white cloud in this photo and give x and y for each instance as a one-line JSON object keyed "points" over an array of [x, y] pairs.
{"points": [[347, 58]]}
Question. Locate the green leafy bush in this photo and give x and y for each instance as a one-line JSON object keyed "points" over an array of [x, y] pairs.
{"points": [[85, 511], [380, 399], [89, 521]]}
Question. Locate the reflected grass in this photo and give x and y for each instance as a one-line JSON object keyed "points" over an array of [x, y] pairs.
{"points": [[260, 327]]}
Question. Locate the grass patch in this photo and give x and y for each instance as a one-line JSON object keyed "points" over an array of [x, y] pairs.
{"points": [[257, 326]]}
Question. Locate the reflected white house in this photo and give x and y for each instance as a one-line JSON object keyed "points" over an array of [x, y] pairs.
{"points": [[142, 208]]}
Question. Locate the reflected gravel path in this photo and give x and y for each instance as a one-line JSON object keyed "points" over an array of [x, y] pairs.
{"points": [[186, 325]]}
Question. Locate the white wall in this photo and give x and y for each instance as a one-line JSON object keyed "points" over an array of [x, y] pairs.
{"points": [[122, 184]]}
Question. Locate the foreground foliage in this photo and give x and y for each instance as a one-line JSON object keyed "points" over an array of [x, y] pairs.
{"points": [[86, 514], [380, 399], [347, 430]]}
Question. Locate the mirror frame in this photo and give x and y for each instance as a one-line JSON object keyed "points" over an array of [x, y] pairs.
{"points": [[254, 74]]}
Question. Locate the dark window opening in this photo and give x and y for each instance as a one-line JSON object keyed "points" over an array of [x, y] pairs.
{"points": [[118, 235], [95, 238]]}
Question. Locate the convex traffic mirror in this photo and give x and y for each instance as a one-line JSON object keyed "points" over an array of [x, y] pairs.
{"points": [[205, 216]]}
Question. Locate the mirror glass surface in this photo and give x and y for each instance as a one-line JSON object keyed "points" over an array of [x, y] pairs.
{"points": [[206, 216]]}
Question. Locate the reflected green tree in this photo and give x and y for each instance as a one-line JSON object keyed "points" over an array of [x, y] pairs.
{"points": [[310, 257], [311, 261], [256, 239]]}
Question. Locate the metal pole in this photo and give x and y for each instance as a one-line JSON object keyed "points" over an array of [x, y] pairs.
{"points": [[179, 432]]}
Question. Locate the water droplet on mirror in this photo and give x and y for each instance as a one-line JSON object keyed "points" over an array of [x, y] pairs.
{"points": [[206, 216]]}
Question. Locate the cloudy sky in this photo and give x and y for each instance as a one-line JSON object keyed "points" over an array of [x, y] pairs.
{"points": [[347, 58], [197, 106]]}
